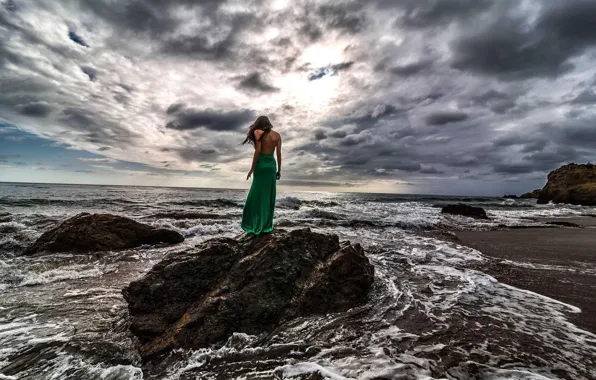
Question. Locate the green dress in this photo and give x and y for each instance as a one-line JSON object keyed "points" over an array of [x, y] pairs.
{"points": [[257, 216]]}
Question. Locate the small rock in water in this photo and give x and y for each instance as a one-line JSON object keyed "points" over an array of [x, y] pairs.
{"points": [[100, 232], [465, 210], [203, 295]]}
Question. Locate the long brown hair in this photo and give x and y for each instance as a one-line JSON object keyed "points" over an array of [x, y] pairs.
{"points": [[261, 123]]}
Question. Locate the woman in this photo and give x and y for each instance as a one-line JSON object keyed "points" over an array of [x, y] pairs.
{"points": [[257, 216]]}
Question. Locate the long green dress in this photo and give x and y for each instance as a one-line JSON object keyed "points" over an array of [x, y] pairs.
{"points": [[257, 216]]}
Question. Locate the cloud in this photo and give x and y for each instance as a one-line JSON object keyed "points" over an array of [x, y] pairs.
{"points": [[412, 68], [421, 90], [585, 97], [215, 120], [36, 109], [446, 117], [77, 39], [329, 70], [100, 159], [254, 81], [512, 48], [90, 72]]}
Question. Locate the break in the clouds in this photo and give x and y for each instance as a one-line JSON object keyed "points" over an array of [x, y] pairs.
{"points": [[450, 96]]}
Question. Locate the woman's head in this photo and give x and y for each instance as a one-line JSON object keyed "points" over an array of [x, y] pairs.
{"points": [[261, 123]]}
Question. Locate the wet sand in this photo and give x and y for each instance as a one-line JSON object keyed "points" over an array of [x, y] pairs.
{"points": [[557, 262]]}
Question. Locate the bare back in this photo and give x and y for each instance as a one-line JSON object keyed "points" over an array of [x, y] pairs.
{"points": [[269, 142]]}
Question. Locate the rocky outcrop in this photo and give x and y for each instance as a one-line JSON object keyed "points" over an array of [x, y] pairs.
{"points": [[510, 196], [531, 195], [202, 296], [465, 210], [573, 183], [100, 232]]}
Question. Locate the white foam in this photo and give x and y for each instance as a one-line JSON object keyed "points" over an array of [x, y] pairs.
{"points": [[305, 369]]}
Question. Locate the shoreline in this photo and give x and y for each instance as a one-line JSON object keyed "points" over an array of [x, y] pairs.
{"points": [[556, 262]]}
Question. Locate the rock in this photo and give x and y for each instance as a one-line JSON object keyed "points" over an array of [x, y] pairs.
{"points": [[573, 183], [465, 210], [203, 295], [531, 195], [100, 232], [510, 196]]}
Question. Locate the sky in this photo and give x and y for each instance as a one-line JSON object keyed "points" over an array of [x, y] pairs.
{"points": [[471, 97]]}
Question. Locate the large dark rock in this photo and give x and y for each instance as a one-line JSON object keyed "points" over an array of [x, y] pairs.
{"points": [[100, 232], [465, 210], [532, 194], [201, 296], [573, 183]]}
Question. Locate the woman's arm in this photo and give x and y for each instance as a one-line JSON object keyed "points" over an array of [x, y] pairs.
{"points": [[255, 157], [279, 158]]}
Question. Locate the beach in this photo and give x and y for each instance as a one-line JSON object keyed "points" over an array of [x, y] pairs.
{"points": [[556, 262]]}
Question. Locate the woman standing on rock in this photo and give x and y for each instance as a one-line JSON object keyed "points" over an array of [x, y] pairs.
{"points": [[257, 216]]}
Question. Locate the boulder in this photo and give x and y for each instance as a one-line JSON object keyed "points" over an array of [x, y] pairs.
{"points": [[573, 183], [531, 195], [465, 210], [100, 232], [201, 296]]}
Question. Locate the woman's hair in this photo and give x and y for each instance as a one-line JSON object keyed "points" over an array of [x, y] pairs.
{"points": [[261, 123]]}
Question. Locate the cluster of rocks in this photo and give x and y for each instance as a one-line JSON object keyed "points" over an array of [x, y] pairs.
{"points": [[201, 295]]}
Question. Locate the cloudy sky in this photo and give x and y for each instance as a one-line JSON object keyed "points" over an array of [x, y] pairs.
{"points": [[411, 96]]}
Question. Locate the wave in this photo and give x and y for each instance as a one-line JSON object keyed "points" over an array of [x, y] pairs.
{"points": [[489, 205], [206, 203], [35, 202], [292, 203]]}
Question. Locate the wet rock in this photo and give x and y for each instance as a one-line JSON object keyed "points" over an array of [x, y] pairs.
{"points": [[573, 183], [100, 232], [531, 195], [510, 196], [203, 295], [465, 210]]}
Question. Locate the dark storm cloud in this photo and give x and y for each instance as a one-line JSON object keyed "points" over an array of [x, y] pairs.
{"points": [[423, 14], [10, 5], [345, 18], [77, 39], [320, 135], [511, 48], [36, 109], [254, 81], [367, 118], [316, 23], [174, 108], [411, 68], [321, 72], [587, 96], [90, 72], [337, 134], [215, 120], [496, 101], [431, 170], [86, 125], [446, 117]]}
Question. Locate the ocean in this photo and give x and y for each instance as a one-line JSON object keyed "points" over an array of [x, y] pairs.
{"points": [[431, 315]]}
